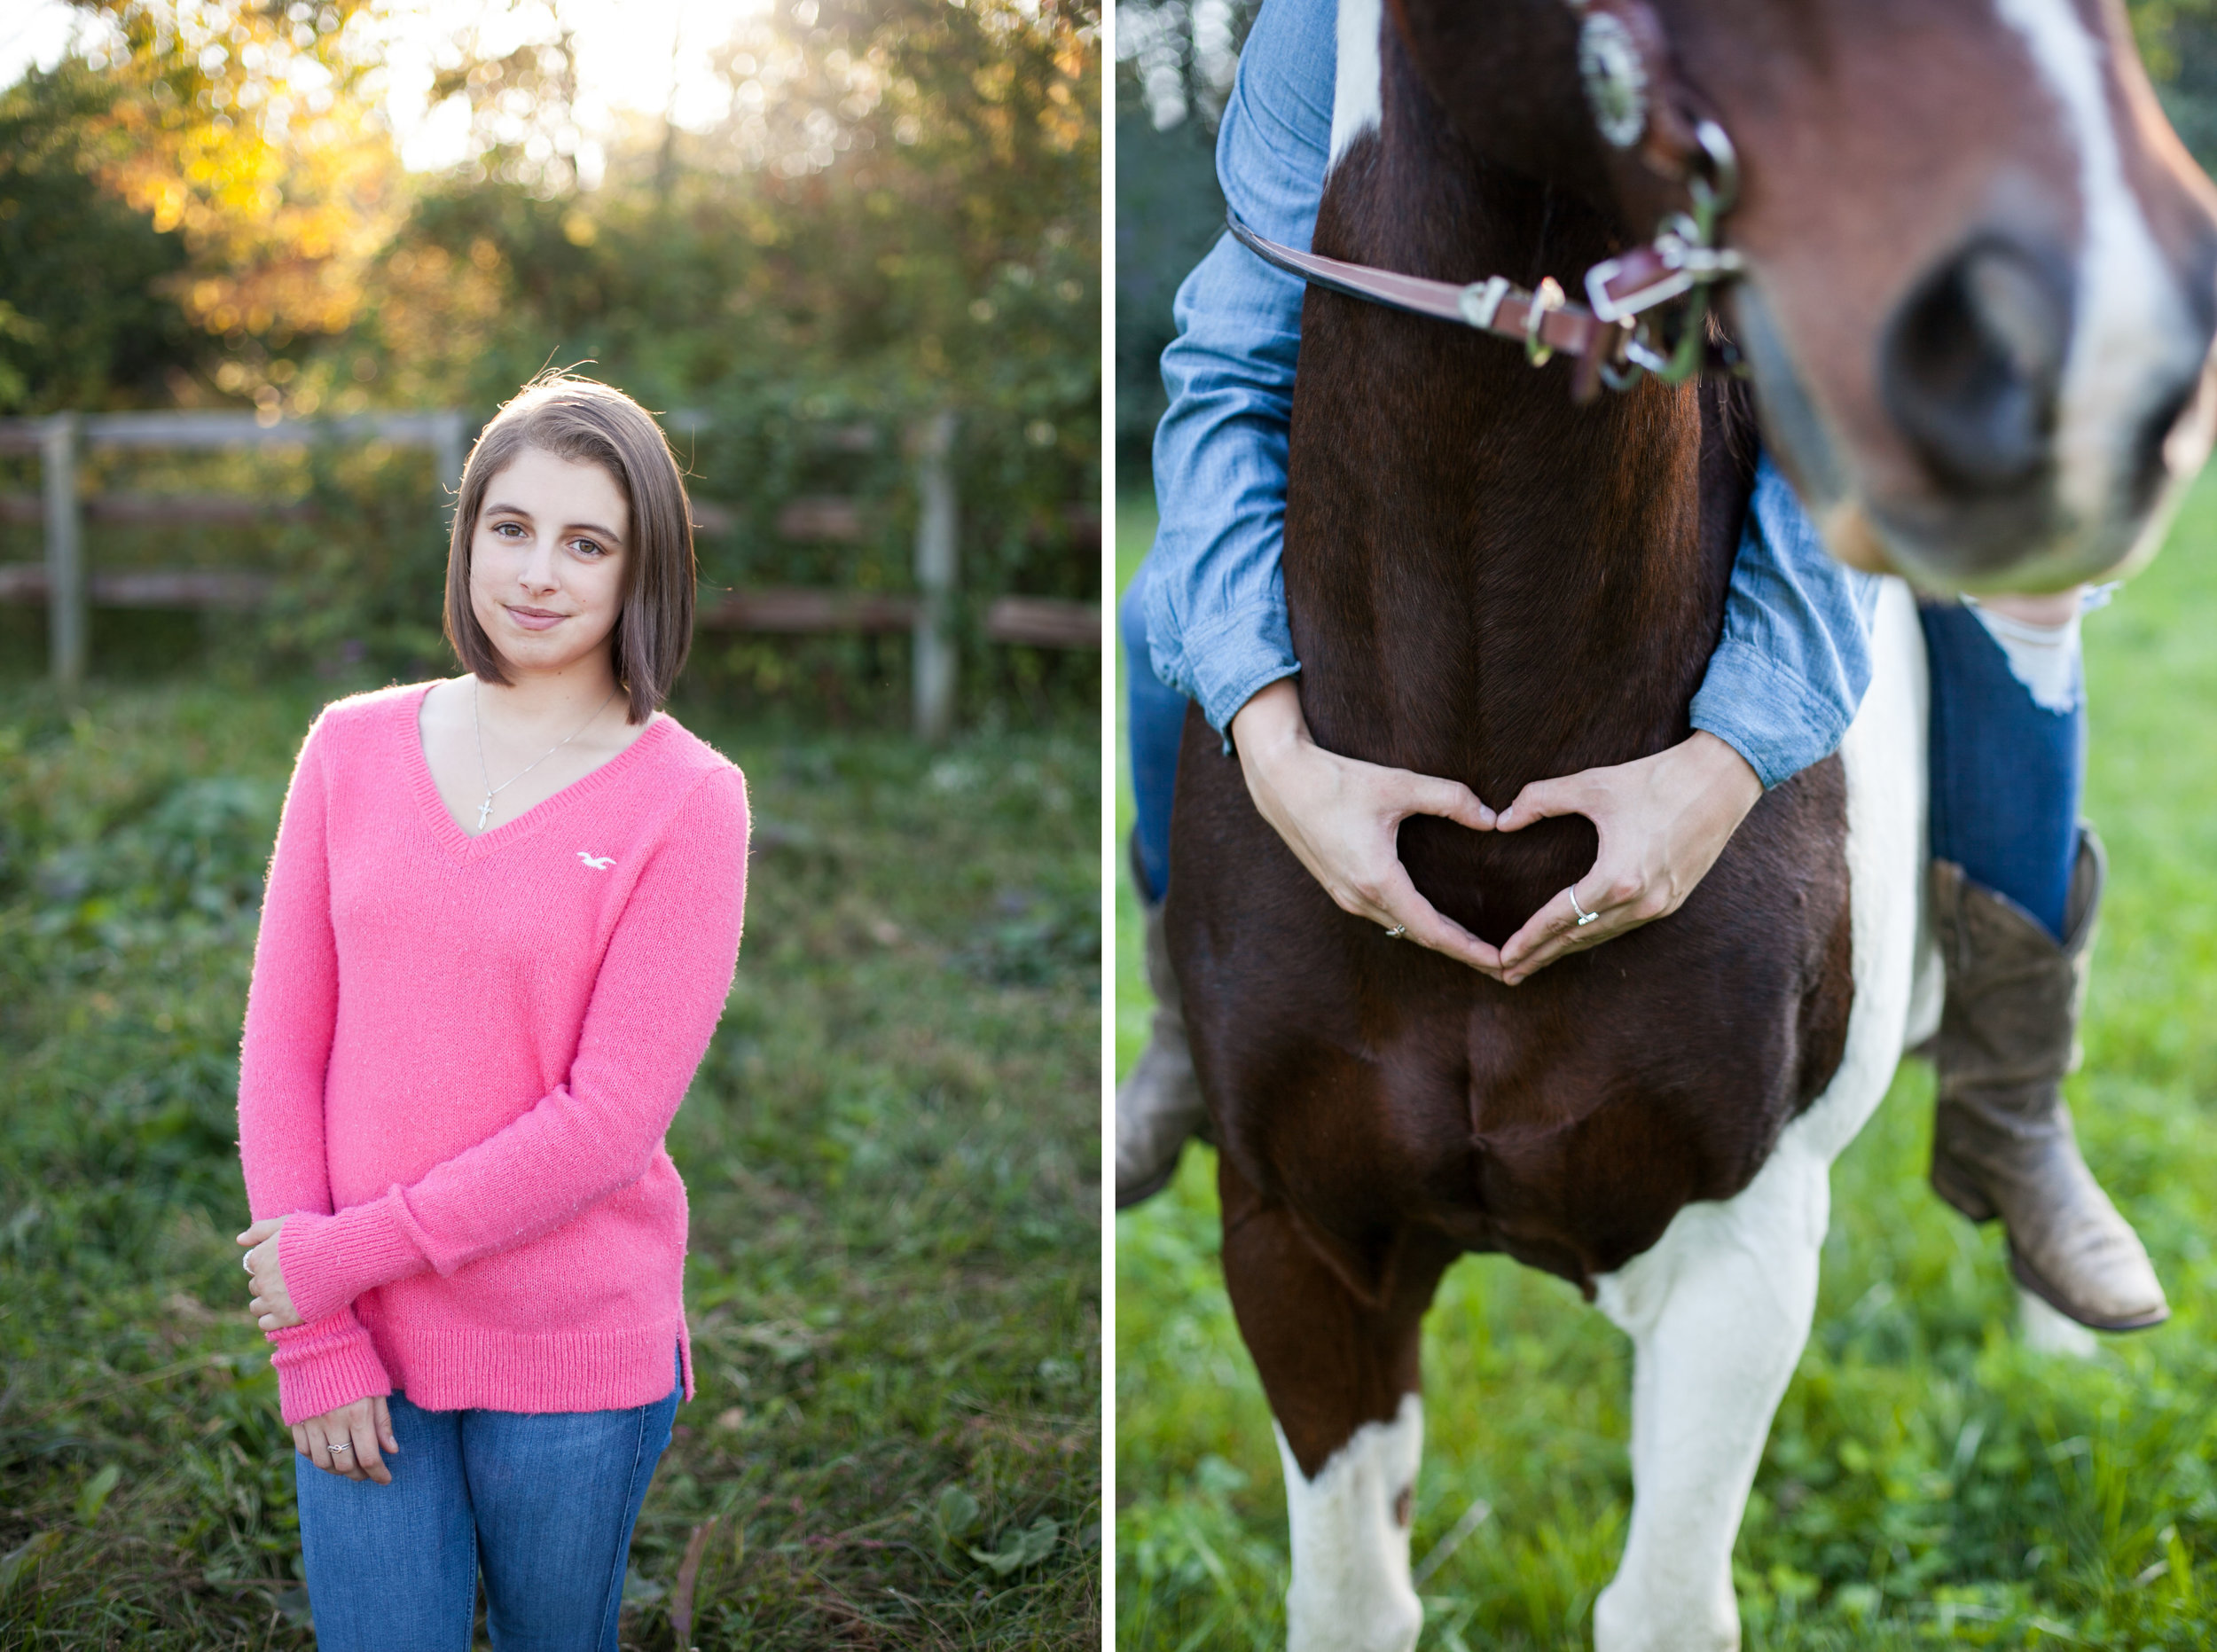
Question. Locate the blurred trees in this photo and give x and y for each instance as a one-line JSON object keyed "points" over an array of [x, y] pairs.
{"points": [[203, 206], [1175, 62], [202, 183], [85, 315], [902, 196]]}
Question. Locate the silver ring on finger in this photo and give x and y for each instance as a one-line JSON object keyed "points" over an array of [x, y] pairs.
{"points": [[1585, 917], [1397, 932], [341, 1447]]}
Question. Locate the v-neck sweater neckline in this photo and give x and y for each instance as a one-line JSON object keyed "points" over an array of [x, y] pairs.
{"points": [[473, 845]]}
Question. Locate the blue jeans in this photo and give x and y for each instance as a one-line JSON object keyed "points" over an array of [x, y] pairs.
{"points": [[2006, 771], [1157, 715], [542, 1501]]}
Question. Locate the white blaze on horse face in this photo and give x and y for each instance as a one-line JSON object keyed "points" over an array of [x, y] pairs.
{"points": [[1719, 1310], [2131, 320], [1350, 1589], [1356, 103]]}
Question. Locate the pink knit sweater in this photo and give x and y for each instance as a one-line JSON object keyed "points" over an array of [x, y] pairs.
{"points": [[460, 1058]]}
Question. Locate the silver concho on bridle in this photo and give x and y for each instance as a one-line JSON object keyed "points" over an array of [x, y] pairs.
{"points": [[1616, 78]]}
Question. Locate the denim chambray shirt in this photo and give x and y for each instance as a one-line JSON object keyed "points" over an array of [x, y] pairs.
{"points": [[1794, 660]]}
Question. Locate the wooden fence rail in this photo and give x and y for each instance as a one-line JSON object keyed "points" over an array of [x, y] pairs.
{"points": [[63, 581], [1033, 622]]}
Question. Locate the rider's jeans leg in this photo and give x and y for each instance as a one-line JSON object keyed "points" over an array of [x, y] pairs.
{"points": [[1157, 715], [2008, 753]]}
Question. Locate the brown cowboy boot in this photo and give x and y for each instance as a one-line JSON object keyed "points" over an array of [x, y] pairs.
{"points": [[1159, 1104], [2002, 1143]]}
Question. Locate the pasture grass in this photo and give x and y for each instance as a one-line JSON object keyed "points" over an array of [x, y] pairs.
{"points": [[891, 1150], [1928, 1479]]}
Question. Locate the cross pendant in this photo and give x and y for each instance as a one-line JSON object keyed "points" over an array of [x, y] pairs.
{"points": [[483, 809]]}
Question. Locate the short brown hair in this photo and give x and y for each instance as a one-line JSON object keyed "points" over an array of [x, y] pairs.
{"points": [[578, 419]]}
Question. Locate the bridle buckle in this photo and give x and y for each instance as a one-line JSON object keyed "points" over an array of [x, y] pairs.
{"points": [[1546, 296], [1684, 258]]}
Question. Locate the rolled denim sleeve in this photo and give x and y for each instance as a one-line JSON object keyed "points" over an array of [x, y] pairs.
{"points": [[1790, 670], [1786, 678], [1216, 611]]}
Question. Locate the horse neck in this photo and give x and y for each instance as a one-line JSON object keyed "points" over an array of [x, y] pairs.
{"points": [[1485, 581]]}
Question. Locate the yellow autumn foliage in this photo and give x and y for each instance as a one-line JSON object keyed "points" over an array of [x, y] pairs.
{"points": [[240, 126]]}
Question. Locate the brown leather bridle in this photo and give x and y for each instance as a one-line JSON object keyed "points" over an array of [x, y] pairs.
{"points": [[1613, 335]]}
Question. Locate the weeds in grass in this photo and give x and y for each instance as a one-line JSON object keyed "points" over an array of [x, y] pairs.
{"points": [[890, 1149]]}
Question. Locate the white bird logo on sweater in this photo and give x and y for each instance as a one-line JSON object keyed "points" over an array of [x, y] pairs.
{"points": [[601, 864]]}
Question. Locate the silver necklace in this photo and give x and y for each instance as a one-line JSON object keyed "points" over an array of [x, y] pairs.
{"points": [[485, 809]]}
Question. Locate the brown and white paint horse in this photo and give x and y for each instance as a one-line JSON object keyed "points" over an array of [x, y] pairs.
{"points": [[1978, 304]]}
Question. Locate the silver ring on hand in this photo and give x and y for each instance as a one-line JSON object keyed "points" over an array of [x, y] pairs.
{"points": [[1397, 932], [246, 1262], [1585, 917], [342, 1446]]}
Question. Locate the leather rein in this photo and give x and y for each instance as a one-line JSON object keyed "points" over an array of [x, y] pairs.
{"points": [[1613, 334]]}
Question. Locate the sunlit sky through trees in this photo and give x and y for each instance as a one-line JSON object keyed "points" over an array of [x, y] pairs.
{"points": [[320, 205], [643, 57]]}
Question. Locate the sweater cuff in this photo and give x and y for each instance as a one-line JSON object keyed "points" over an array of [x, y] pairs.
{"points": [[330, 1260], [324, 1364]]}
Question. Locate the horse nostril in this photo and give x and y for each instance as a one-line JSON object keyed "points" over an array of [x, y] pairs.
{"points": [[1972, 361]]}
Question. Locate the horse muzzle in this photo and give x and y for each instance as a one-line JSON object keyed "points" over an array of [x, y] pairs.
{"points": [[2027, 446]]}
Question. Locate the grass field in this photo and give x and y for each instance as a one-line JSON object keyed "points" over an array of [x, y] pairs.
{"points": [[1927, 1480], [891, 1151]]}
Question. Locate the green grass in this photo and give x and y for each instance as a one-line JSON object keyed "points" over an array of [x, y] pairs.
{"points": [[1927, 1480], [891, 1151]]}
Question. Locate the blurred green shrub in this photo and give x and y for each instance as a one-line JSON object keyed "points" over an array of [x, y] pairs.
{"points": [[157, 876]]}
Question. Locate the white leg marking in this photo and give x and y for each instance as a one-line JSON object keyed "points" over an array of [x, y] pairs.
{"points": [[1351, 1540], [2132, 323], [2044, 1331], [1719, 1310], [1718, 1313], [1357, 102]]}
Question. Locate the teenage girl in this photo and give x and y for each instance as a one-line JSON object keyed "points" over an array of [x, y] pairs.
{"points": [[501, 921]]}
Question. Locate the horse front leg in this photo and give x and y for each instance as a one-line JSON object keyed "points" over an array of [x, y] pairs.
{"points": [[1340, 1369], [1718, 1311]]}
